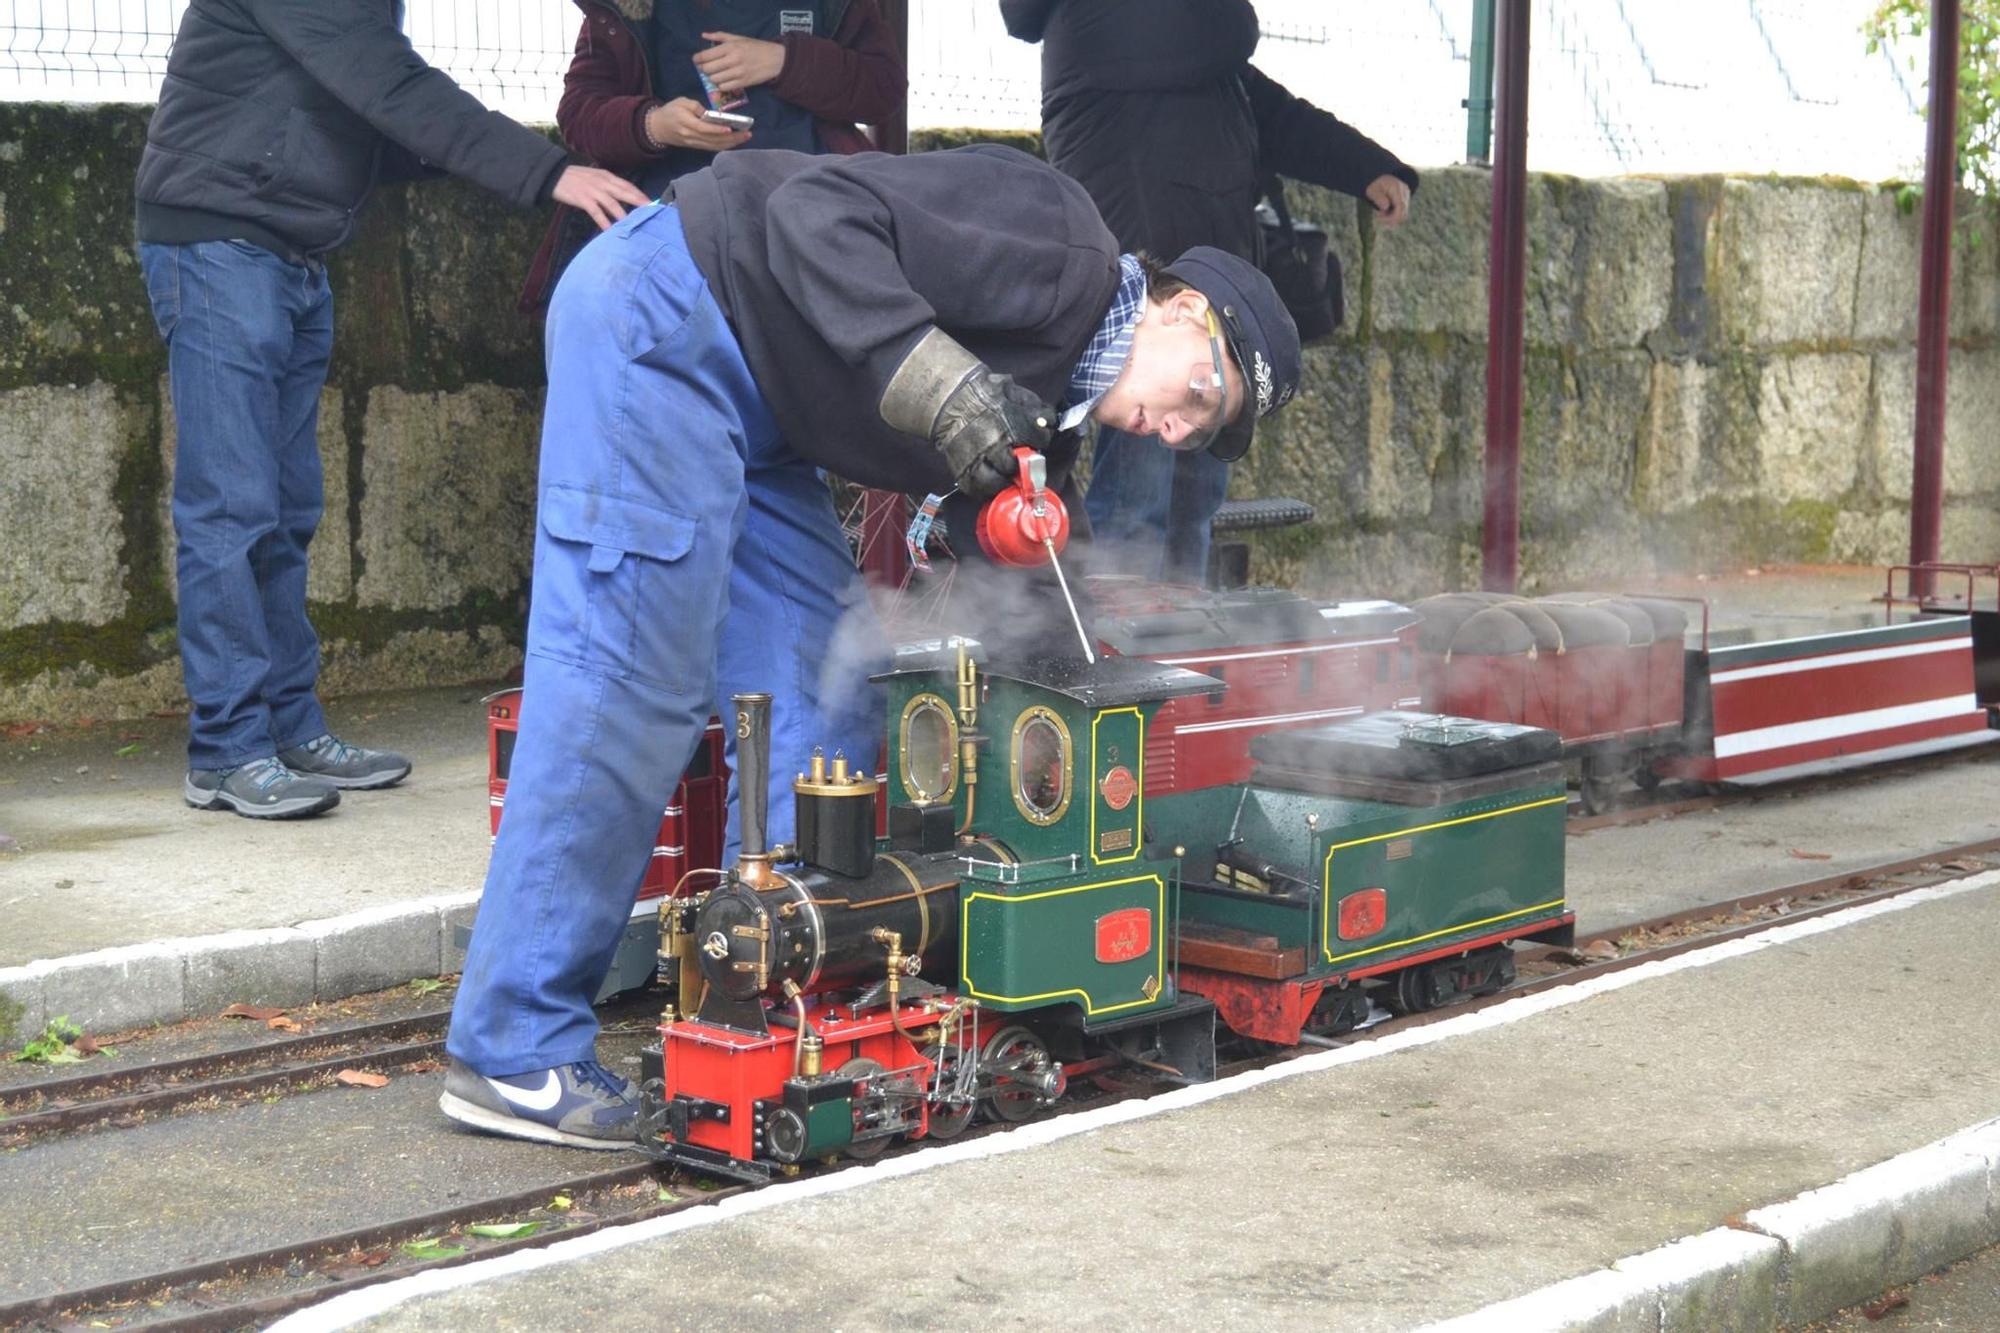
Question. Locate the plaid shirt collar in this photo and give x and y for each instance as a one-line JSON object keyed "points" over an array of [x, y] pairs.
{"points": [[1102, 360]]}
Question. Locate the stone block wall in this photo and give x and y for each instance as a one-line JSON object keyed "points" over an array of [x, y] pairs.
{"points": [[1719, 371], [428, 432]]}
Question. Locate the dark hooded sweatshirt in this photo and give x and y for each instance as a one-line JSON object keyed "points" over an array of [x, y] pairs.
{"points": [[278, 118], [830, 269], [1155, 106]]}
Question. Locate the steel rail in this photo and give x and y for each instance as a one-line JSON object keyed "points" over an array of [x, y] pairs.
{"points": [[85, 1086], [270, 1262], [166, 1283], [70, 1119]]}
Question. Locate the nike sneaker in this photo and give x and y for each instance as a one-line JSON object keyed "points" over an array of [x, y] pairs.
{"points": [[583, 1105]]}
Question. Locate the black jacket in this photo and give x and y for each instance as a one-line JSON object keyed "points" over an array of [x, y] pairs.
{"points": [[829, 270], [278, 117], [1154, 106]]}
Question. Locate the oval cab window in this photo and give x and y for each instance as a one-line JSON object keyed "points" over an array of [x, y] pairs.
{"points": [[1042, 764], [929, 749]]}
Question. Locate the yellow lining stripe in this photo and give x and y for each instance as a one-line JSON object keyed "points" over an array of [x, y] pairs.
{"points": [[1090, 1006], [1097, 793], [1326, 885], [1451, 930]]}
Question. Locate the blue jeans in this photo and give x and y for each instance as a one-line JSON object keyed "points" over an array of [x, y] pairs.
{"points": [[683, 552], [248, 336], [1150, 506]]}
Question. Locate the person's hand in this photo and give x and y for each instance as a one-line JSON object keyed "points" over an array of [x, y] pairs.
{"points": [[980, 424], [735, 63], [1391, 197], [605, 195], [678, 124]]}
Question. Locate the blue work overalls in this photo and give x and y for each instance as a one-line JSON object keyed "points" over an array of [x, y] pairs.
{"points": [[683, 552]]}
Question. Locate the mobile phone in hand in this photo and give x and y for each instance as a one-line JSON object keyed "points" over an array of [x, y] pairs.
{"points": [[729, 118]]}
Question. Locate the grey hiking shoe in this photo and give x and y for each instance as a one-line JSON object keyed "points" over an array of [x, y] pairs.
{"points": [[583, 1105], [261, 789], [335, 761]]}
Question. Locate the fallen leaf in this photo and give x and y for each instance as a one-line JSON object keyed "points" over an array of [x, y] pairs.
{"points": [[1812, 856], [262, 1013], [282, 1024], [422, 1066], [355, 1078], [86, 1045], [372, 1258], [1886, 1306], [431, 1249], [503, 1230], [19, 729], [1600, 950], [562, 1203], [127, 751], [1964, 864]]}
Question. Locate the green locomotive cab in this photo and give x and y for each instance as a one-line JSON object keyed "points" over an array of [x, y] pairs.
{"points": [[1061, 901]]}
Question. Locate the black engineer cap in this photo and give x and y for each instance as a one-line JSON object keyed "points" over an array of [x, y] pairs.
{"points": [[1261, 335]]}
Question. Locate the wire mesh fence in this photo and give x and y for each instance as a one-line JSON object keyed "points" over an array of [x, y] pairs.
{"points": [[1617, 85]]}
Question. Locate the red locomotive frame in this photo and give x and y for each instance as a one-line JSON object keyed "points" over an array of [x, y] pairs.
{"points": [[691, 826]]}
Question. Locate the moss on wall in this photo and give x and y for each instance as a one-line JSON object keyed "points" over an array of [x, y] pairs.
{"points": [[423, 299], [1652, 426]]}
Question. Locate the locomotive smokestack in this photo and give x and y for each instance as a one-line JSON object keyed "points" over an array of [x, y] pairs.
{"points": [[753, 783]]}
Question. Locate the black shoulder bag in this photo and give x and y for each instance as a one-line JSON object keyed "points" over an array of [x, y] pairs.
{"points": [[1301, 265]]}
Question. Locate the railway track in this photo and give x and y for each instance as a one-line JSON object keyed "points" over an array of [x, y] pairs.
{"points": [[250, 1289]]}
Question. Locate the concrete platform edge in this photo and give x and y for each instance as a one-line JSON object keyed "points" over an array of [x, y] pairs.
{"points": [[1678, 1285], [1790, 1262], [168, 981]]}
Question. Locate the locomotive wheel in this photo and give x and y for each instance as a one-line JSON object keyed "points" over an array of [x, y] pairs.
{"points": [[866, 1149], [1646, 777], [946, 1121], [1007, 1045], [1409, 992]]}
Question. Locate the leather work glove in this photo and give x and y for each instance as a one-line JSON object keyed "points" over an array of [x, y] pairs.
{"points": [[971, 413], [982, 421]]}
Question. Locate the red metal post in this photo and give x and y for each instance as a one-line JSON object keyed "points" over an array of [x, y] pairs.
{"points": [[1934, 294], [885, 514], [1500, 558]]}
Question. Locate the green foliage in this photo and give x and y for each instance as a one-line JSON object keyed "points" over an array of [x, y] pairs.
{"points": [[430, 1248], [1978, 79], [503, 1230], [53, 1046]]}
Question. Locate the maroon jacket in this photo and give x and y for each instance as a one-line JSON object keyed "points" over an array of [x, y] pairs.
{"points": [[854, 76]]}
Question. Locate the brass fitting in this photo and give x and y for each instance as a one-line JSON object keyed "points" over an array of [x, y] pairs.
{"points": [[809, 1045], [893, 941]]}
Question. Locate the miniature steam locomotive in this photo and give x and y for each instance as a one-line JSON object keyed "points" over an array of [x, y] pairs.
{"points": [[1037, 911]]}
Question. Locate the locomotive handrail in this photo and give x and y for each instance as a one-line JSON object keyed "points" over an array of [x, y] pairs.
{"points": [[1928, 600], [1009, 872], [1702, 602]]}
